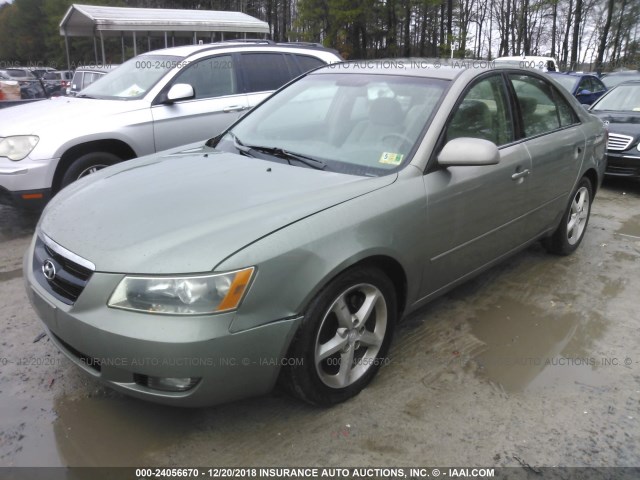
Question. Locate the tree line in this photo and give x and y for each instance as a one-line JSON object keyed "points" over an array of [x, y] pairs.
{"points": [[591, 34]]}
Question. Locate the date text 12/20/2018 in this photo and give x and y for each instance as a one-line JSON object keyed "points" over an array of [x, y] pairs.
{"points": [[314, 472]]}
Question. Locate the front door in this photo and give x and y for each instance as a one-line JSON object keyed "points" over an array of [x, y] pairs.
{"points": [[215, 106], [477, 213]]}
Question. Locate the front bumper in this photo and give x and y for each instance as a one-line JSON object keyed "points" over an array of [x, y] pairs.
{"points": [[623, 164], [119, 348], [27, 183]]}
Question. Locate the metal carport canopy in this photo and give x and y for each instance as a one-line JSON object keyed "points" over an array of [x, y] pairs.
{"points": [[92, 20]]}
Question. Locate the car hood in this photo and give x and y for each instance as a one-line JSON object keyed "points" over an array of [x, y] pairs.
{"points": [[187, 212], [625, 123], [64, 112]]}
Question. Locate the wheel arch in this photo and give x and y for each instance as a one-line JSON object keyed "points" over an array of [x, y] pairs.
{"points": [[114, 146], [592, 176], [385, 263]]}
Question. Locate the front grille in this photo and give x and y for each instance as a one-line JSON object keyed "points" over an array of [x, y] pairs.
{"points": [[618, 142], [70, 277]]}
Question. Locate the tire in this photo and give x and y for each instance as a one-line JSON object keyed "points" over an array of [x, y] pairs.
{"points": [[87, 164], [332, 358], [569, 234]]}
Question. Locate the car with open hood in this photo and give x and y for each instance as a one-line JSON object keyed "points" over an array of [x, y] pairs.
{"points": [[288, 247]]}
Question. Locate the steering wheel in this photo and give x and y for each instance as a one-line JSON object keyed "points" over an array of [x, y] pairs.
{"points": [[398, 140]]}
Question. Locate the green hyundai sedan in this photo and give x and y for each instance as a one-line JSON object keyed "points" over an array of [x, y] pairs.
{"points": [[288, 248]]}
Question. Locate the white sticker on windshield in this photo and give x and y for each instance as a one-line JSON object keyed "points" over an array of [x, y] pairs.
{"points": [[390, 158]]}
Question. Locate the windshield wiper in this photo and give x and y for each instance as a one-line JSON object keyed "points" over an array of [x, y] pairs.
{"points": [[279, 153], [83, 95]]}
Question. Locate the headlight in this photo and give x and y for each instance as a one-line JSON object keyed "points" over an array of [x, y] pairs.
{"points": [[17, 147], [189, 295]]}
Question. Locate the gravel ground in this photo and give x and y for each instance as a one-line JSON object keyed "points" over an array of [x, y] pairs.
{"points": [[536, 361]]}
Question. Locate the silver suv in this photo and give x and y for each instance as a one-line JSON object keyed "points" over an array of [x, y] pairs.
{"points": [[155, 101]]}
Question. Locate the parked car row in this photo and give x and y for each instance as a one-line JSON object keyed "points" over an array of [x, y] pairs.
{"points": [[40, 83], [19, 86], [155, 101], [85, 76]]}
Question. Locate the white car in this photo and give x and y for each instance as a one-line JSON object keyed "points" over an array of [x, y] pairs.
{"points": [[155, 101], [545, 64]]}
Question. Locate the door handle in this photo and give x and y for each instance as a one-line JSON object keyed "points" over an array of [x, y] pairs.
{"points": [[233, 108], [522, 174]]}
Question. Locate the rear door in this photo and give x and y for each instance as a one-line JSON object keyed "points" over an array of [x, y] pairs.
{"points": [[263, 72], [477, 213], [552, 134], [218, 102]]}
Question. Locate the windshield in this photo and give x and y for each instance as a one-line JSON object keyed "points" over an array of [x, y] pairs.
{"points": [[357, 124], [624, 98], [132, 79], [568, 82]]}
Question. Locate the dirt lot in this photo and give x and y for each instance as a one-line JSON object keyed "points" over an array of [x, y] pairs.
{"points": [[536, 361]]}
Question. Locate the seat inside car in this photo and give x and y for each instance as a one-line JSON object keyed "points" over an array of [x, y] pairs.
{"points": [[385, 116], [473, 119]]}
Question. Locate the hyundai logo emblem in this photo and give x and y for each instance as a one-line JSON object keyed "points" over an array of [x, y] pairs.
{"points": [[49, 269]]}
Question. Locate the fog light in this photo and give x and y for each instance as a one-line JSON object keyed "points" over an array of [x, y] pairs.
{"points": [[167, 384]]}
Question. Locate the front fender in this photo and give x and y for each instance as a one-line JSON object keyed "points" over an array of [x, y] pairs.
{"points": [[295, 263]]}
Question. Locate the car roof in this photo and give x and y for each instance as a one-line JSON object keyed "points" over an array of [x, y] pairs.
{"points": [[188, 50], [574, 74], [630, 82], [445, 69], [624, 72]]}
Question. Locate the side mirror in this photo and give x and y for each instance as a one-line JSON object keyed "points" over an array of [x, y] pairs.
{"points": [[584, 92], [180, 91], [465, 151]]}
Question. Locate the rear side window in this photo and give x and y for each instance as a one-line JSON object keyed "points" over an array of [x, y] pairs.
{"points": [[566, 113], [537, 105], [308, 63], [265, 71], [89, 78]]}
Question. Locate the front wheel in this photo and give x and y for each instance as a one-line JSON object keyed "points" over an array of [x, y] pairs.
{"points": [[343, 339], [87, 164], [567, 237]]}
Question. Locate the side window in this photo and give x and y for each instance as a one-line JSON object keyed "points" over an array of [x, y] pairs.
{"points": [[89, 78], [537, 106], [77, 81], [585, 84], [265, 71], [566, 113], [308, 63], [211, 77], [598, 86], [483, 113]]}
